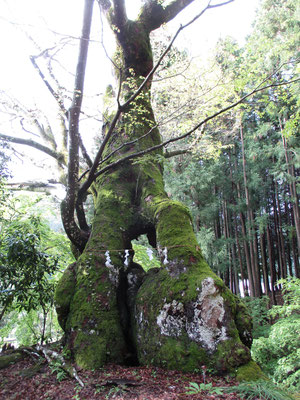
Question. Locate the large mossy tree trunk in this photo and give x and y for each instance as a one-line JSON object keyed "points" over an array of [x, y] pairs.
{"points": [[179, 316]]}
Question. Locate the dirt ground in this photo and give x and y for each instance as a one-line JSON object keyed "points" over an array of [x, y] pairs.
{"points": [[20, 382]]}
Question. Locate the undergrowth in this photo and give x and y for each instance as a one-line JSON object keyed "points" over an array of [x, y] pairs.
{"points": [[262, 390]]}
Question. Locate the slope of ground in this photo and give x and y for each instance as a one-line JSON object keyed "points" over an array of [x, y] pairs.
{"points": [[20, 381]]}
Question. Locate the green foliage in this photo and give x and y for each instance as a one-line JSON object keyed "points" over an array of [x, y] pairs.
{"points": [[31, 257], [279, 353], [4, 174], [4, 159], [291, 295], [263, 390], [259, 310], [195, 388], [141, 257], [214, 188], [29, 327], [57, 368], [26, 269]]}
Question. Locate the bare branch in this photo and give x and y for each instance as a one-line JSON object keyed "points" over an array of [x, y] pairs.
{"points": [[25, 129], [196, 127], [76, 235], [46, 82], [32, 186], [46, 133], [165, 52], [123, 107], [154, 14], [84, 152], [32, 143], [94, 167], [169, 154]]}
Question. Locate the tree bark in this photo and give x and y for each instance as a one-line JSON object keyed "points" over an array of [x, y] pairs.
{"points": [[293, 189], [264, 262], [179, 316], [282, 252], [243, 279], [271, 263], [253, 256], [245, 242]]}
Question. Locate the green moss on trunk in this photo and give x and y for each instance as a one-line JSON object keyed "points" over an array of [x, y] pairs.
{"points": [[183, 316], [64, 293]]}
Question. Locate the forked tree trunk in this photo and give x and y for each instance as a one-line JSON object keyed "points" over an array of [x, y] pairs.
{"points": [[179, 316], [182, 316]]}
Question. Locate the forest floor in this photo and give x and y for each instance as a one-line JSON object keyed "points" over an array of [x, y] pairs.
{"points": [[19, 382]]}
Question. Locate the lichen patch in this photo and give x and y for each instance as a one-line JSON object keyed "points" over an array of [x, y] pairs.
{"points": [[203, 320], [171, 319]]}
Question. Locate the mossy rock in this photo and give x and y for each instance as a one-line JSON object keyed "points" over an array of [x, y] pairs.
{"points": [[185, 320], [34, 370], [8, 359], [250, 372]]}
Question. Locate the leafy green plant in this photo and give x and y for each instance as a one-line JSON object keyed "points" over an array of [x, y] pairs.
{"points": [[263, 390], [26, 274], [56, 368], [31, 257], [195, 388], [279, 353], [77, 389], [141, 257], [113, 392], [99, 388], [259, 309], [154, 374], [30, 328], [291, 296]]}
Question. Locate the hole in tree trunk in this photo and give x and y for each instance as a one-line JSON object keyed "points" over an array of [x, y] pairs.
{"points": [[130, 280]]}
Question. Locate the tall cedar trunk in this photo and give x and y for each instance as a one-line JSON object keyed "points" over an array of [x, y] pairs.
{"points": [[179, 316], [238, 247], [295, 252], [245, 242], [253, 257], [280, 233], [288, 242], [293, 189], [271, 263], [276, 238], [236, 251], [227, 272], [234, 285], [234, 275], [264, 262], [256, 254]]}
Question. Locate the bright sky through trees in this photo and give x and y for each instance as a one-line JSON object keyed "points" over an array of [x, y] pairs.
{"points": [[48, 21], [65, 18]]}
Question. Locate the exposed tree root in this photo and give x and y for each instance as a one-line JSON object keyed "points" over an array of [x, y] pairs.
{"points": [[41, 354]]}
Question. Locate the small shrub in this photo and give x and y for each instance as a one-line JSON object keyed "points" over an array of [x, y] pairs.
{"points": [[196, 388], [279, 353], [263, 390], [56, 368], [259, 309]]}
